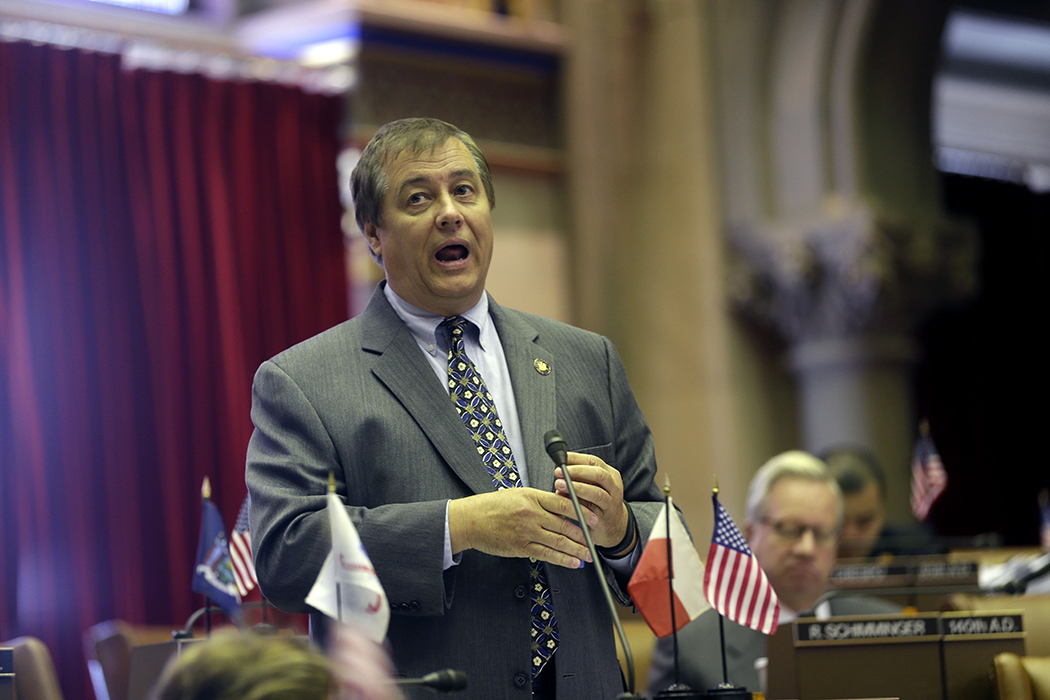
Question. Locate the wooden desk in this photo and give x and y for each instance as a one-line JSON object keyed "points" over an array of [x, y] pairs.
{"points": [[929, 656]]}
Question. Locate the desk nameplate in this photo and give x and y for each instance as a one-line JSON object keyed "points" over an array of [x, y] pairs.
{"points": [[918, 573], [967, 626], [866, 629], [870, 575]]}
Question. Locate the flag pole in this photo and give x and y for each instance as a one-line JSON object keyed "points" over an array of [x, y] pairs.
{"points": [[338, 587], [670, 574], [721, 619], [205, 495]]}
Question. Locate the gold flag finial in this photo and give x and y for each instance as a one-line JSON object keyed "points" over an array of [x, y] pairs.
{"points": [[667, 485], [206, 489], [331, 482], [715, 489]]}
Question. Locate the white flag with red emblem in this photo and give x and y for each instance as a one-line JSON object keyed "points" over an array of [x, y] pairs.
{"points": [[649, 586], [347, 589]]}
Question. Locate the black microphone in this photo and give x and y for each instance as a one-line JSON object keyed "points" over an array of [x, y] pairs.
{"points": [[556, 447], [558, 452], [447, 680]]}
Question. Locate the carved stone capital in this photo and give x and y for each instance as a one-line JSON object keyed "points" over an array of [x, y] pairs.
{"points": [[851, 269]]}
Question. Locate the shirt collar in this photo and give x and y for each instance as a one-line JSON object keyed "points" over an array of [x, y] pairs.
{"points": [[424, 324]]}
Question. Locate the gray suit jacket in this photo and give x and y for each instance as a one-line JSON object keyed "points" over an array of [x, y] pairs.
{"points": [[360, 400], [700, 657]]}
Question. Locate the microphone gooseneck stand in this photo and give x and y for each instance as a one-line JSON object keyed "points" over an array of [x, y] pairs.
{"points": [[558, 452]]}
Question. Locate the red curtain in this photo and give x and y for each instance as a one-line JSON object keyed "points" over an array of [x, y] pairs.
{"points": [[161, 234]]}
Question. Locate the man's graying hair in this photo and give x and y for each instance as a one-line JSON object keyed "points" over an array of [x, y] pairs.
{"points": [[795, 464], [246, 666], [416, 135]]}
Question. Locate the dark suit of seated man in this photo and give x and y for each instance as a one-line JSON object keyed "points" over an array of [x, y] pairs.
{"points": [[794, 512]]}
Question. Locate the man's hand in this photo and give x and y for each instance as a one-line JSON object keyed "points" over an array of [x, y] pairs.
{"points": [[519, 522], [599, 489]]}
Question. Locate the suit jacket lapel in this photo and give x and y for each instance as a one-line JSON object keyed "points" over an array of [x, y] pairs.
{"points": [[534, 393], [403, 369]]}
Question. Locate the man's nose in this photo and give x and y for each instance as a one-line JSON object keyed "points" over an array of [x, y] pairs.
{"points": [[449, 217], [807, 543]]}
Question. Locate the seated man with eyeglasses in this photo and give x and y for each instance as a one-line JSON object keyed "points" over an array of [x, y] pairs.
{"points": [[794, 515]]}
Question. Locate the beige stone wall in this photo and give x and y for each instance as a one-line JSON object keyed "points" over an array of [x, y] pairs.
{"points": [[647, 221], [530, 260]]}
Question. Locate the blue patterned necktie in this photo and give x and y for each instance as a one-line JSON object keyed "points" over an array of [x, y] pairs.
{"points": [[478, 411]]}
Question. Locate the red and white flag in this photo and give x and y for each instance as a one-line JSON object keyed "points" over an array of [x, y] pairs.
{"points": [[734, 583], [347, 589], [649, 586], [928, 478]]}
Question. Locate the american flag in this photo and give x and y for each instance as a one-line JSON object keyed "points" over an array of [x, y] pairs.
{"points": [[241, 552], [734, 583], [928, 478]]}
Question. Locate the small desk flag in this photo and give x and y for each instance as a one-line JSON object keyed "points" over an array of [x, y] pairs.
{"points": [[734, 583], [347, 589], [649, 587], [241, 552], [928, 478], [213, 575]]}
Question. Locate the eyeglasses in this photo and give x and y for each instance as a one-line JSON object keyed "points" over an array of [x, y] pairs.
{"points": [[794, 532]]}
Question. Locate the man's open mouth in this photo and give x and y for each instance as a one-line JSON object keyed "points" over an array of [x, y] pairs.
{"points": [[452, 253]]}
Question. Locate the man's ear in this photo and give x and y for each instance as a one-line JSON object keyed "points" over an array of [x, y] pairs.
{"points": [[372, 236]]}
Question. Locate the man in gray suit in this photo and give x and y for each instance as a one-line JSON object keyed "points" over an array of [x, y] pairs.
{"points": [[377, 402], [794, 514]]}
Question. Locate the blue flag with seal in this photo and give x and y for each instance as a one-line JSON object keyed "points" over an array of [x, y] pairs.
{"points": [[213, 575]]}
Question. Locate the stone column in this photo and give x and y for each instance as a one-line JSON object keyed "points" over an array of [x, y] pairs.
{"points": [[846, 291], [649, 249]]}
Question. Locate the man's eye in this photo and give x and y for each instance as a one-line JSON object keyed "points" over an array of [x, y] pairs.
{"points": [[416, 198], [793, 532], [464, 190]]}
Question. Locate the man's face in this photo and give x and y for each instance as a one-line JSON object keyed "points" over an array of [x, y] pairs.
{"points": [[436, 238], [795, 540], [863, 521]]}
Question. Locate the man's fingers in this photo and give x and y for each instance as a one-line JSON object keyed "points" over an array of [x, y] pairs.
{"points": [[553, 556], [559, 549], [595, 499], [599, 486], [518, 523], [598, 473], [561, 506], [559, 540]]}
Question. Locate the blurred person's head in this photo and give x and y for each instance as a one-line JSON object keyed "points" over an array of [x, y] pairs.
{"points": [[863, 487], [794, 511], [247, 666]]}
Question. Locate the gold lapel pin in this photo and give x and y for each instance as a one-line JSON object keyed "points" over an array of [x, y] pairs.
{"points": [[541, 366]]}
